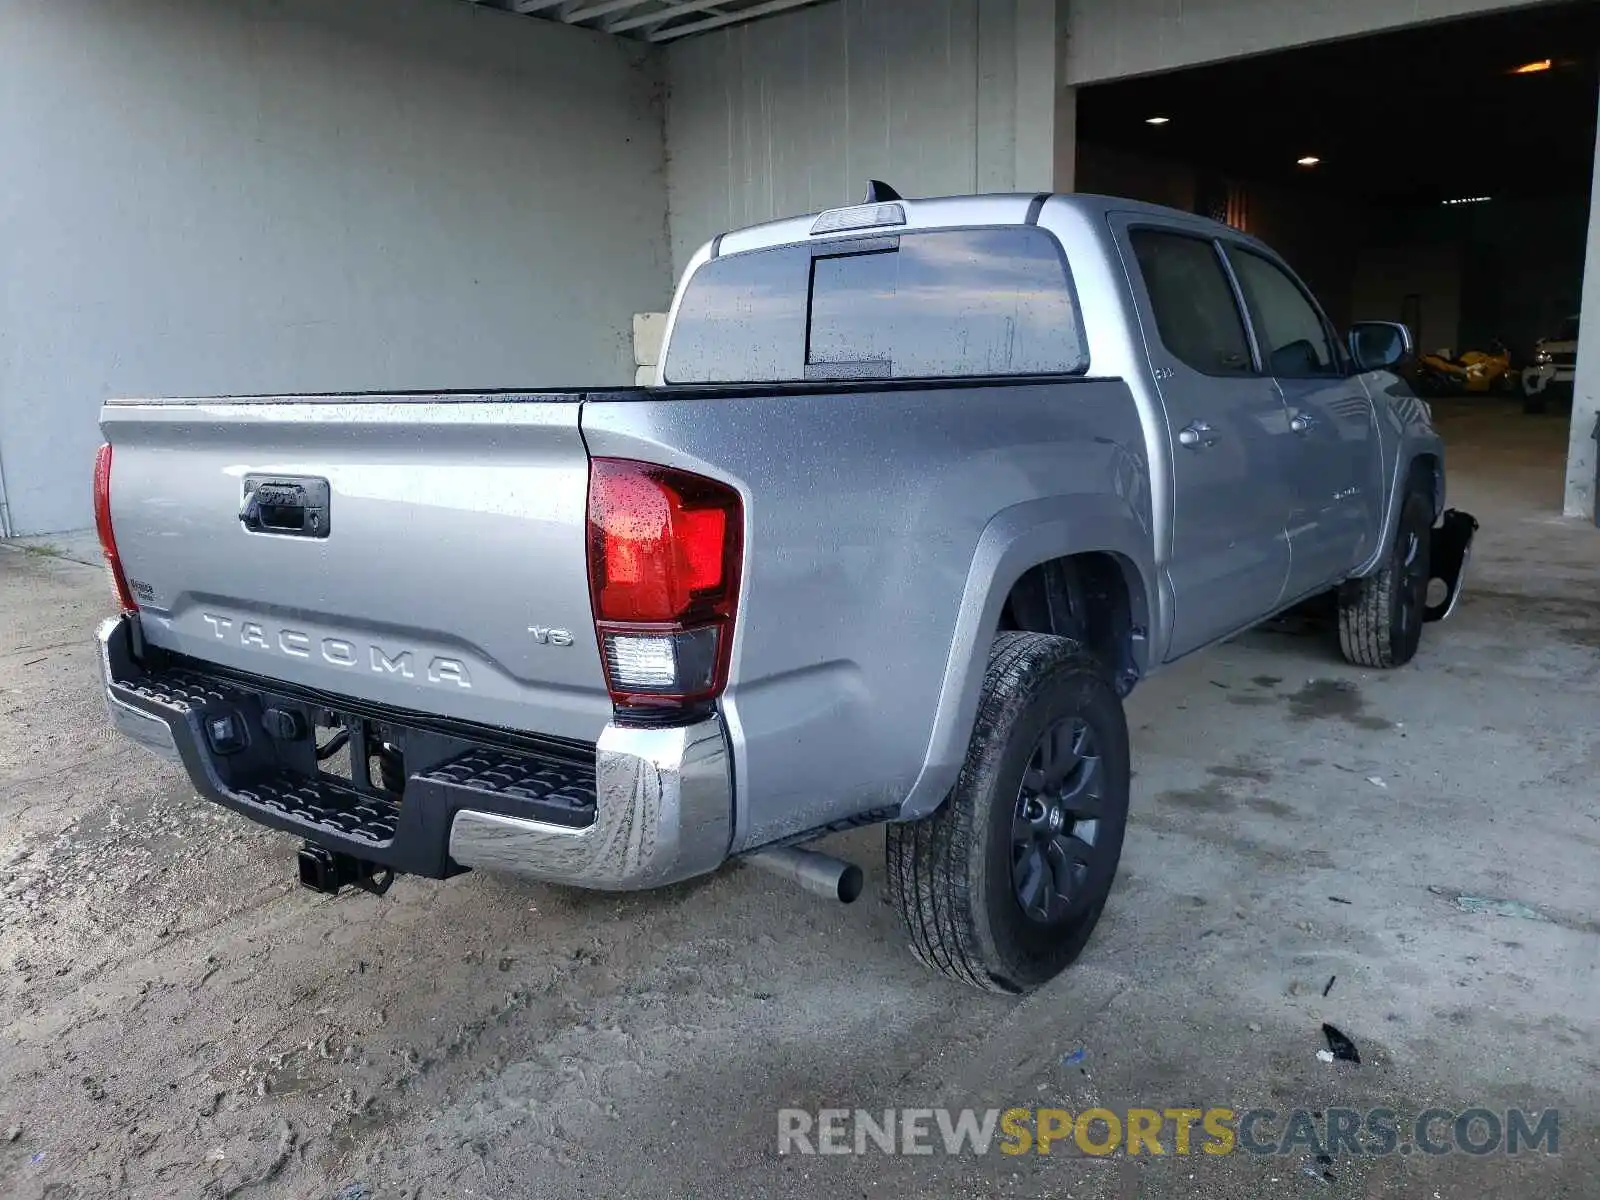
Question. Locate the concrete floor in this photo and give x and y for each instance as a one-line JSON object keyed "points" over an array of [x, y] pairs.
{"points": [[177, 1018]]}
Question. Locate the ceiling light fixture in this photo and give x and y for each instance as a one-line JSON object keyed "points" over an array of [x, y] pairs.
{"points": [[1156, 120], [1470, 200], [1309, 160], [1533, 68]]}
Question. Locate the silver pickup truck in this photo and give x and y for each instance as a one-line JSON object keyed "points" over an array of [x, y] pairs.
{"points": [[925, 489]]}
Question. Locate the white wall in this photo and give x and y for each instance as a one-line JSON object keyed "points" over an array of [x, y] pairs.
{"points": [[1112, 39], [199, 196], [794, 114], [1580, 499]]}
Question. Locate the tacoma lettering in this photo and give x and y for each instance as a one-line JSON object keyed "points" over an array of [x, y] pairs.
{"points": [[340, 652]]}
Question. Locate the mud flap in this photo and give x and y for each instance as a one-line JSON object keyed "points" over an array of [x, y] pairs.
{"points": [[1449, 548]]}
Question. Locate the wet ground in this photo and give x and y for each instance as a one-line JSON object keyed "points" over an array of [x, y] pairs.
{"points": [[178, 1018]]}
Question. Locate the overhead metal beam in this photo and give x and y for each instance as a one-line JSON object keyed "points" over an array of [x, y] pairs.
{"points": [[590, 11], [717, 22], [670, 13], [638, 20]]}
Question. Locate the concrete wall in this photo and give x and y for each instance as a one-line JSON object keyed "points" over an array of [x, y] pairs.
{"points": [[1580, 499], [269, 195], [794, 114], [1113, 39]]}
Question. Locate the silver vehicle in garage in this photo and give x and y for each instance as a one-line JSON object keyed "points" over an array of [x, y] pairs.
{"points": [[1553, 369], [925, 489]]}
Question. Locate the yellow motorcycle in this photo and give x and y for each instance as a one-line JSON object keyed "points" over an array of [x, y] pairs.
{"points": [[1474, 372]]}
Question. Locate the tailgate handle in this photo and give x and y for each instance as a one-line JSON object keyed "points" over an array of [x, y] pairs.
{"points": [[289, 505]]}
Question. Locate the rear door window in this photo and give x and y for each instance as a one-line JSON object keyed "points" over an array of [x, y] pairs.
{"points": [[1197, 316], [948, 303]]}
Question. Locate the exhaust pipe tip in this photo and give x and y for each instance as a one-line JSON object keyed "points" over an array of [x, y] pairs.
{"points": [[851, 881], [823, 874]]}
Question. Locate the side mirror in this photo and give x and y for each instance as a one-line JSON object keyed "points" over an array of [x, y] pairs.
{"points": [[1379, 345]]}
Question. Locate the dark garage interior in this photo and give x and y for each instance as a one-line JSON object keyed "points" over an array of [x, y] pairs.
{"points": [[1450, 185]]}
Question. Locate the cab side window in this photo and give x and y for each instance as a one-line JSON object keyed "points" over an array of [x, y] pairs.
{"points": [[1294, 339], [1195, 310]]}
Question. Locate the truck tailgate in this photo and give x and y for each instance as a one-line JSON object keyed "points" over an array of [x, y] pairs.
{"points": [[446, 575]]}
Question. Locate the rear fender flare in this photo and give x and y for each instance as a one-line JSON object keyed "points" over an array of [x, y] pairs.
{"points": [[1399, 482], [1015, 540], [1405, 427]]}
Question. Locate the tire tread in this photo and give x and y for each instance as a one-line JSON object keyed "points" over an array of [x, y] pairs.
{"points": [[1365, 607], [928, 861]]}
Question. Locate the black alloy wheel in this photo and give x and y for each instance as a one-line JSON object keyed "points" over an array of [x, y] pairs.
{"points": [[1055, 830]]}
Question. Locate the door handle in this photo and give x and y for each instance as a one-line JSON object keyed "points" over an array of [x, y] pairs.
{"points": [[1197, 435], [1301, 423]]}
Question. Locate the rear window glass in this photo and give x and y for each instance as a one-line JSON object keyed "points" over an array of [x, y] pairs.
{"points": [[943, 304]]}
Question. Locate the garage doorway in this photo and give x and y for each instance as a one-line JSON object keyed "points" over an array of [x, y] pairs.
{"points": [[1438, 176]]}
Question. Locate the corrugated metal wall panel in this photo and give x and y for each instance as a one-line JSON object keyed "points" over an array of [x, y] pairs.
{"points": [[796, 113]]}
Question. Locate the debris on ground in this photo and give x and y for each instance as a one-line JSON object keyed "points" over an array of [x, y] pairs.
{"points": [[13, 1133], [1074, 1058], [1376, 781], [1340, 900], [1253, 1027], [1328, 987], [1342, 1047], [1485, 906], [1325, 1056]]}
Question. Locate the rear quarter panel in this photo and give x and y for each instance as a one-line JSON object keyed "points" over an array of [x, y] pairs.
{"points": [[883, 530]]}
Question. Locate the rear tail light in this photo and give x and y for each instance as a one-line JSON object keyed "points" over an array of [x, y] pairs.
{"points": [[664, 552], [102, 524]]}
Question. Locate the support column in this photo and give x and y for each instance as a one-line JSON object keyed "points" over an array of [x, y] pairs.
{"points": [[1580, 497], [1066, 131], [1066, 149], [1037, 60]]}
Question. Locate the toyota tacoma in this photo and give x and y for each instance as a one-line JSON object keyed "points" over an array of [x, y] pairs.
{"points": [[923, 490]]}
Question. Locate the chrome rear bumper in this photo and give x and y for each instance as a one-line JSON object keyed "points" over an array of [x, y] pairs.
{"points": [[664, 812]]}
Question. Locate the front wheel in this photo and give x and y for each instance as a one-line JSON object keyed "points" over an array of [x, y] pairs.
{"points": [[1002, 885], [1380, 616]]}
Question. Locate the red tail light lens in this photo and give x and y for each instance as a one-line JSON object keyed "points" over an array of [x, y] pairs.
{"points": [[664, 552], [102, 524]]}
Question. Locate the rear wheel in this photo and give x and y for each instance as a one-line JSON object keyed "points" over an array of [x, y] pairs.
{"points": [[1003, 885], [1380, 617]]}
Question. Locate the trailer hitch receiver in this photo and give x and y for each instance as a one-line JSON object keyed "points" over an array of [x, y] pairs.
{"points": [[326, 871]]}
